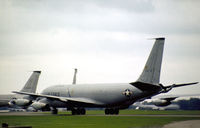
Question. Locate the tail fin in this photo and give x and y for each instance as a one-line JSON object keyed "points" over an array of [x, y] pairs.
{"points": [[31, 84], [74, 79], [151, 71]]}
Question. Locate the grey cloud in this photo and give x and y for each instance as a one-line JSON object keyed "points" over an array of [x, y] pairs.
{"points": [[71, 42], [36, 23], [44, 15], [80, 5], [112, 15], [138, 6], [25, 21]]}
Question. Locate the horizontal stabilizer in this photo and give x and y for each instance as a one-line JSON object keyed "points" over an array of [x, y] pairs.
{"points": [[169, 87], [179, 85]]}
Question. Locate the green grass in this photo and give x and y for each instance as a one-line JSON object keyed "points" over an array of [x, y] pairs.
{"points": [[143, 112], [158, 112], [65, 120], [89, 121]]}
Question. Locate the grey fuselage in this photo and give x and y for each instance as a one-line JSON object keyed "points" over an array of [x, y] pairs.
{"points": [[107, 95]]}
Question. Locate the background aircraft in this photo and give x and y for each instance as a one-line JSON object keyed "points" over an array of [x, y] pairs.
{"points": [[112, 97], [13, 100], [165, 100], [74, 78], [141, 106]]}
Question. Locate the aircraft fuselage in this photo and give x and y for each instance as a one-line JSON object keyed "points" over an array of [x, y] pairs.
{"points": [[108, 95]]}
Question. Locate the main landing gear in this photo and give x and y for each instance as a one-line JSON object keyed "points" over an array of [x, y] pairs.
{"points": [[78, 111], [54, 111], [111, 111]]}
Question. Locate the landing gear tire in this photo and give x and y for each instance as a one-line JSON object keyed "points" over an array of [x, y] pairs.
{"points": [[82, 111], [111, 111], [106, 111], [116, 111], [73, 112], [54, 111], [79, 111]]}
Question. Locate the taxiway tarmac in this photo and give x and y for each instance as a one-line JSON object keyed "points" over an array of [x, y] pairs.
{"points": [[184, 124]]}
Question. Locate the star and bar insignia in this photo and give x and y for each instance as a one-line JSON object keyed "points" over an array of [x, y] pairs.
{"points": [[127, 93]]}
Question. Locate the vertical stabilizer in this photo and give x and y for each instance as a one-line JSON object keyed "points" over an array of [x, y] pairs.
{"points": [[74, 79], [31, 84], [151, 71]]}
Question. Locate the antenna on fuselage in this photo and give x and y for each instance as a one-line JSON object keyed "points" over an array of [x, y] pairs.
{"points": [[75, 72]]}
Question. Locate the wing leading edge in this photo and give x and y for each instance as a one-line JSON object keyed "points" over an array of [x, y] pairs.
{"points": [[63, 99]]}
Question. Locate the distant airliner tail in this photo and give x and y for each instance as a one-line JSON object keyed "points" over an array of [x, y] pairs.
{"points": [[31, 84], [151, 71], [74, 78]]}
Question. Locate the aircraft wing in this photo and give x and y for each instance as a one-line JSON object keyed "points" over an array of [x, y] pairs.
{"points": [[63, 99]]}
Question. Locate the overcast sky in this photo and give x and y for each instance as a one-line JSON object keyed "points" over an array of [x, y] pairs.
{"points": [[107, 40]]}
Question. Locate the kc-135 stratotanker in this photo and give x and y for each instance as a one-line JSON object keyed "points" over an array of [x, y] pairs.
{"points": [[112, 96]]}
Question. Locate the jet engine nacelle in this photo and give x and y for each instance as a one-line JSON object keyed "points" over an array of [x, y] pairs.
{"points": [[161, 102], [38, 105], [41, 104], [19, 102]]}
